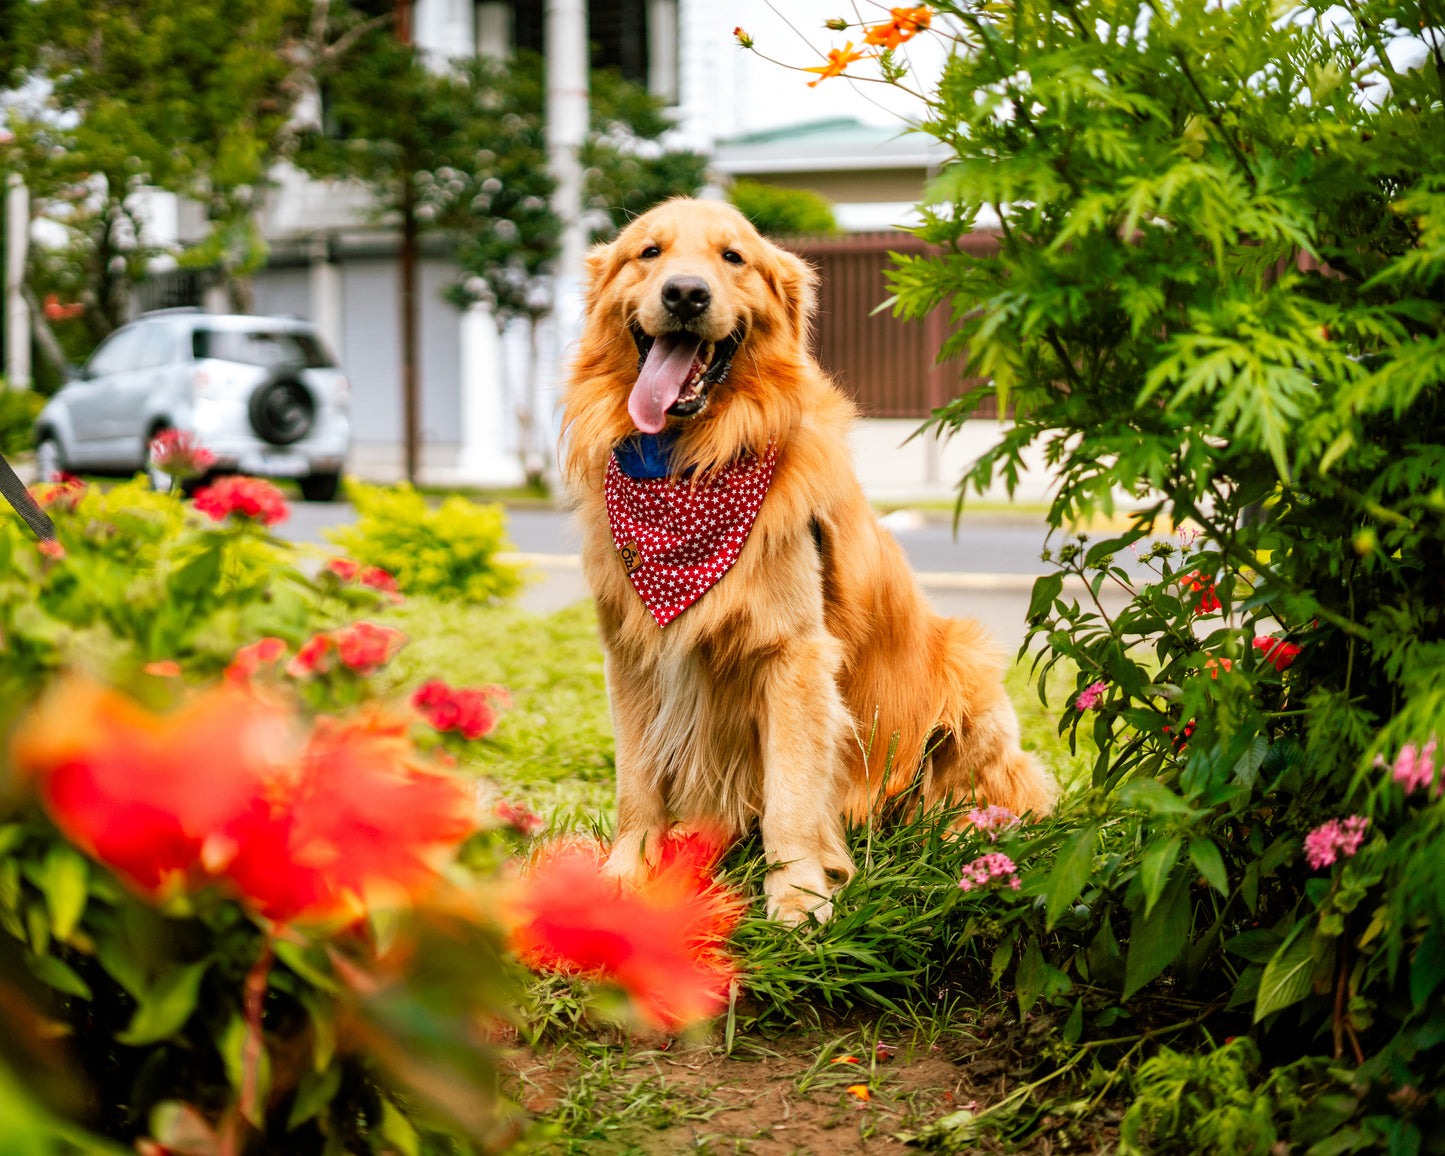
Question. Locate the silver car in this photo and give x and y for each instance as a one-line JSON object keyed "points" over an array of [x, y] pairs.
{"points": [[263, 394]]}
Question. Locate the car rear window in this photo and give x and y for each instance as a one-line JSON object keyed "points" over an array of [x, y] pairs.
{"points": [[266, 348]]}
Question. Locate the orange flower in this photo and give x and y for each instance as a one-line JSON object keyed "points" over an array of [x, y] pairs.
{"points": [[164, 668], [661, 943], [838, 60], [1214, 665], [140, 791], [861, 1091], [906, 24]]}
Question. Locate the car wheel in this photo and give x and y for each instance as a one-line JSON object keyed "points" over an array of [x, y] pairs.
{"points": [[49, 459], [320, 487]]}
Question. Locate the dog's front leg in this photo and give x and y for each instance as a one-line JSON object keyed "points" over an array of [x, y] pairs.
{"points": [[642, 819], [803, 735]]}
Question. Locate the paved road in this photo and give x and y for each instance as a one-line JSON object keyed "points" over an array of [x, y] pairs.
{"points": [[983, 572]]}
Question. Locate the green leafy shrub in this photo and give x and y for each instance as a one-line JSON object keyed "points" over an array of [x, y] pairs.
{"points": [[1217, 288], [18, 411], [782, 212], [448, 551]]}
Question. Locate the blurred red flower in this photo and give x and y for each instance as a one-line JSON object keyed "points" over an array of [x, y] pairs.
{"points": [[1197, 583], [662, 943], [468, 711], [141, 791], [63, 492], [1276, 651], [180, 454], [312, 657], [521, 818], [373, 576], [364, 646], [252, 498], [218, 791], [249, 659], [358, 820]]}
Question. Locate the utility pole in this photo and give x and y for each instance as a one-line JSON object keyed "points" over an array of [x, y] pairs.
{"points": [[17, 312], [410, 394], [565, 39]]}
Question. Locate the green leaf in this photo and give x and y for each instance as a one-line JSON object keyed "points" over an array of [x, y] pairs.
{"points": [[1156, 940], [199, 571], [1046, 589], [1074, 1026], [1287, 977], [1428, 968], [1031, 976], [1204, 854], [58, 974], [1071, 871], [62, 879], [294, 956], [1153, 796], [315, 1092], [397, 1130], [166, 1005], [1155, 865]]}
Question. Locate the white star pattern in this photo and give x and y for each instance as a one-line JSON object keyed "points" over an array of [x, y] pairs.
{"points": [[688, 535]]}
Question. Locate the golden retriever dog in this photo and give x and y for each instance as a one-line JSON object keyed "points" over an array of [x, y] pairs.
{"points": [[757, 700]]}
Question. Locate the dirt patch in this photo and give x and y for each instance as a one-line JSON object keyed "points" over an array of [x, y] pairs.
{"points": [[820, 1093]]}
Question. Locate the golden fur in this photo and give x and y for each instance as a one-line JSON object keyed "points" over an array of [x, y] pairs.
{"points": [[757, 701]]}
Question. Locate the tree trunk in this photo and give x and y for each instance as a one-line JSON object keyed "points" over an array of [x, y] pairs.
{"points": [[410, 401]]}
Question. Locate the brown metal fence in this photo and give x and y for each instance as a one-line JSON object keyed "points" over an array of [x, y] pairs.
{"points": [[885, 363]]}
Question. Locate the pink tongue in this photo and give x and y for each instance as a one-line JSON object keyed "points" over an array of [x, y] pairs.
{"points": [[663, 375]]}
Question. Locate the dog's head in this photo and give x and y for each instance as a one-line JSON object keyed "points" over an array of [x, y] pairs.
{"points": [[696, 286]]}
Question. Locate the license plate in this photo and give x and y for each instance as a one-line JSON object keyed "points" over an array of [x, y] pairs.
{"points": [[275, 465]]}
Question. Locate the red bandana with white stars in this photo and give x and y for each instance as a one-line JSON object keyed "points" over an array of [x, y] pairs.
{"points": [[676, 538]]}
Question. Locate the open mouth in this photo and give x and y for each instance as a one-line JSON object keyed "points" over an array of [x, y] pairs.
{"points": [[675, 374]]}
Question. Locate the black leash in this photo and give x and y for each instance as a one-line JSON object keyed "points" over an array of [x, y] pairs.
{"points": [[19, 497]]}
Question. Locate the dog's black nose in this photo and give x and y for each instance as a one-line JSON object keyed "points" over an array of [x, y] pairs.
{"points": [[686, 297]]}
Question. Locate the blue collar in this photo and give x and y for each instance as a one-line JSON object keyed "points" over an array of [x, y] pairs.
{"points": [[646, 455]]}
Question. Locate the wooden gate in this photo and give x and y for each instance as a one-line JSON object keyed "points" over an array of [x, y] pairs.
{"points": [[883, 362]]}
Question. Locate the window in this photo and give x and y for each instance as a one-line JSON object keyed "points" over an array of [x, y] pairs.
{"points": [[266, 348], [116, 354], [155, 346]]}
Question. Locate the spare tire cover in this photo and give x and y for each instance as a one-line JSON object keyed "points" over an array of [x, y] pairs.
{"points": [[282, 409]]}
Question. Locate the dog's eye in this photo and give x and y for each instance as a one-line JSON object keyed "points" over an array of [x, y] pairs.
{"points": [[650, 252], [733, 257]]}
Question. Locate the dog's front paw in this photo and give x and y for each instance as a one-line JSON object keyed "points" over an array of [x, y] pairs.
{"points": [[791, 901]]}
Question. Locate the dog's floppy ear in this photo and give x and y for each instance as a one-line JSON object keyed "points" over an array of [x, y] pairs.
{"points": [[602, 266], [796, 284]]}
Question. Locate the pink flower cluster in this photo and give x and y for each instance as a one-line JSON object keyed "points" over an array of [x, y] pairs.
{"points": [[1415, 770], [252, 498], [988, 868], [1091, 696], [1333, 839], [993, 821]]}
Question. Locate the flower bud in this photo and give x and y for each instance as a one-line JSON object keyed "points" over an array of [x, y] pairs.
{"points": [[743, 39]]}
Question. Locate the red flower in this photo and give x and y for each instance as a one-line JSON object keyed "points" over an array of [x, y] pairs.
{"points": [[1204, 587], [358, 820], [522, 818], [215, 791], [661, 943], [252, 498], [373, 576], [50, 548], [179, 454], [312, 657], [467, 711], [1215, 665], [63, 492], [163, 668], [141, 792], [364, 646], [1276, 651], [249, 659], [55, 311]]}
